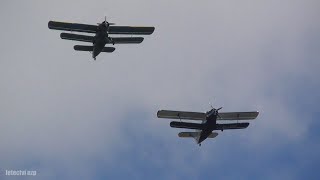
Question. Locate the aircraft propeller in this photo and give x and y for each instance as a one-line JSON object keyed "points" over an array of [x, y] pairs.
{"points": [[107, 25], [218, 112], [214, 110]]}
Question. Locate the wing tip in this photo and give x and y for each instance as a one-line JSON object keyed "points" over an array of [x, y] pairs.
{"points": [[158, 113], [246, 125], [49, 24], [152, 30], [140, 40]]}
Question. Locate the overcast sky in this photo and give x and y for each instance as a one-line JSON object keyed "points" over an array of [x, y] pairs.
{"points": [[69, 117]]}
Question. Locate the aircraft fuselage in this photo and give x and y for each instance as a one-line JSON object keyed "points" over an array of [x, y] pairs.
{"points": [[209, 126], [100, 40]]}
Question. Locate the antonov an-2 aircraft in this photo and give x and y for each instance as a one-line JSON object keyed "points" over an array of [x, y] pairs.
{"points": [[208, 123], [101, 38]]}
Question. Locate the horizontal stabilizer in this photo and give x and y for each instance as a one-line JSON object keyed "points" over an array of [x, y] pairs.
{"points": [[83, 48], [127, 40], [90, 48], [181, 115], [232, 126], [185, 125], [108, 49], [76, 37], [238, 115], [195, 134]]}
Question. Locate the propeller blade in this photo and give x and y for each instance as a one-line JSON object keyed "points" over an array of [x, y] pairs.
{"points": [[210, 105], [105, 21]]}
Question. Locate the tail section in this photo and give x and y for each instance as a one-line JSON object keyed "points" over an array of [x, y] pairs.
{"points": [[83, 48], [195, 135], [90, 48], [108, 49]]}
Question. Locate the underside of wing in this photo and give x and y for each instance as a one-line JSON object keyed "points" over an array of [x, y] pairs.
{"points": [[76, 37], [232, 126], [238, 115], [181, 115], [185, 125], [72, 27], [127, 40], [130, 30], [195, 135]]}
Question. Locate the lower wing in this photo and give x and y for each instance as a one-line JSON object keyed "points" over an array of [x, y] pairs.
{"points": [[117, 40], [127, 40], [185, 125], [76, 37], [231, 126]]}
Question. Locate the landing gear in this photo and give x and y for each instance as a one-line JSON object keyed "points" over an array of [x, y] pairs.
{"points": [[200, 145]]}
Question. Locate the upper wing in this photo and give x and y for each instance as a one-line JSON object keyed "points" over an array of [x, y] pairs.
{"points": [[72, 27], [238, 115], [181, 115], [130, 30], [93, 28]]}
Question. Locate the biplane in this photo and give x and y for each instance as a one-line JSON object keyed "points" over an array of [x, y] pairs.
{"points": [[101, 37], [208, 120]]}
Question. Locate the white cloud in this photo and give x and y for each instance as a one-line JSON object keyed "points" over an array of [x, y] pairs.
{"points": [[59, 104]]}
